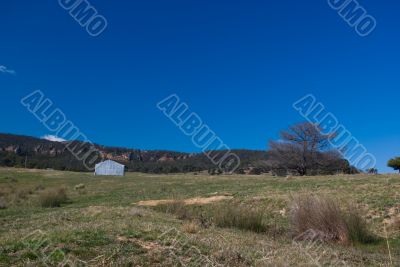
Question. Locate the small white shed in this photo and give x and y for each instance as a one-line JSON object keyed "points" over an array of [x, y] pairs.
{"points": [[110, 168]]}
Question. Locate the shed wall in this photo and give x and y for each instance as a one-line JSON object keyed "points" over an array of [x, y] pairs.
{"points": [[110, 168]]}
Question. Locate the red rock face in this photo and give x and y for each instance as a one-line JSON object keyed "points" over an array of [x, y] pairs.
{"points": [[165, 158]]}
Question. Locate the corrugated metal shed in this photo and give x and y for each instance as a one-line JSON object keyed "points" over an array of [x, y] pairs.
{"points": [[109, 167]]}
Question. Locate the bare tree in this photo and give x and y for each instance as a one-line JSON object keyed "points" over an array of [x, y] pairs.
{"points": [[303, 147]]}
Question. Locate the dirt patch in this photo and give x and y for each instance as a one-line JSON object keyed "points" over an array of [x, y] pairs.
{"points": [[392, 220], [144, 244], [189, 201]]}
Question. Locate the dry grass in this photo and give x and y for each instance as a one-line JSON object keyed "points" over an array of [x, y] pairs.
{"points": [[357, 228], [190, 228], [175, 207], [79, 186], [3, 204], [103, 228], [240, 217], [320, 218], [53, 198], [227, 215]]}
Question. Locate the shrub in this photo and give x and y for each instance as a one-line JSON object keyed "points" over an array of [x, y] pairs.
{"points": [[3, 204], [23, 193], [239, 217], [79, 187], [357, 227], [190, 228], [3, 192], [53, 198], [317, 218], [136, 212], [175, 207], [222, 215], [39, 187]]}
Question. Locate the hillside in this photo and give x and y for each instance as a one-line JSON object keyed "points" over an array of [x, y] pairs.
{"points": [[114, 221], [21, 151]]}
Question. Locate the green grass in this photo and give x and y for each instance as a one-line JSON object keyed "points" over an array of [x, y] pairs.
{"points": [[100, 227]]}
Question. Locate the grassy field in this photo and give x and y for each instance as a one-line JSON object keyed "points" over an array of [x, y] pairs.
{"points": [[101, 223]]}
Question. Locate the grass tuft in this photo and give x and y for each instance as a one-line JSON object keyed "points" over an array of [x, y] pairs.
{"points": [[3, 204], [318, 218], [240, 217], [190, 228], [53, 198], [177, 208]]}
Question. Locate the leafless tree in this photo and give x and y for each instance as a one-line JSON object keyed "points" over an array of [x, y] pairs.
{"points": [[303, 147]]}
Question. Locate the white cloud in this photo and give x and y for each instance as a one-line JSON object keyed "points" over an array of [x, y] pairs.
{"points": [[53, 138], [4, 69]]}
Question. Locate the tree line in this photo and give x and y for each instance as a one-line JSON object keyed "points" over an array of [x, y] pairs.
{"points": [[302, 149]]}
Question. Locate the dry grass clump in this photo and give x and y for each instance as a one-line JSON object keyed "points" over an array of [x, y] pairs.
{"points": [[3, 204], [79, 186], [222, 215], [53, 197], [177, 208], [230, 256], [14, 196], [241, 217], [39, 187], [81, 189], [23, 193], [318, 218], [137, 212], [190, 228]]}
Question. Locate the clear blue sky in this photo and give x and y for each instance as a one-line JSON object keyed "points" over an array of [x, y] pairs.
{"points": [[239, 64]]}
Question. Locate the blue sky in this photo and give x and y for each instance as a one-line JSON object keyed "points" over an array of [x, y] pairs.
{"points": [[239, 64]]}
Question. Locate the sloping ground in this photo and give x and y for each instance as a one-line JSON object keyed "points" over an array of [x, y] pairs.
{"points": [[99, 226]]}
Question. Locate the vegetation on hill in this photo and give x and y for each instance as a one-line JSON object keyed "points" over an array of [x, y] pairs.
{"points": [[30, 152], [303, 150], [395, 164], [34, 153]]}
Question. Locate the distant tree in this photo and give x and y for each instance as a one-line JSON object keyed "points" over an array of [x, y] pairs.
{"points": [[394, 163], [240, 171], [372, 171], [256, 171], [302, 148]]}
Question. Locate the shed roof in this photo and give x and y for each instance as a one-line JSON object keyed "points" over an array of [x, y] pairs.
{"points": [[109, 161]]}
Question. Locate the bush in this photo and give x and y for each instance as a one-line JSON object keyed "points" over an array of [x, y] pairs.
{"points": [[39, 187], [222, 215], [23, 193], [316, 218], [177, 208], [53, 198], [239, 217], [79, 186], [190, 228], [3, 204], [357, 227]]}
